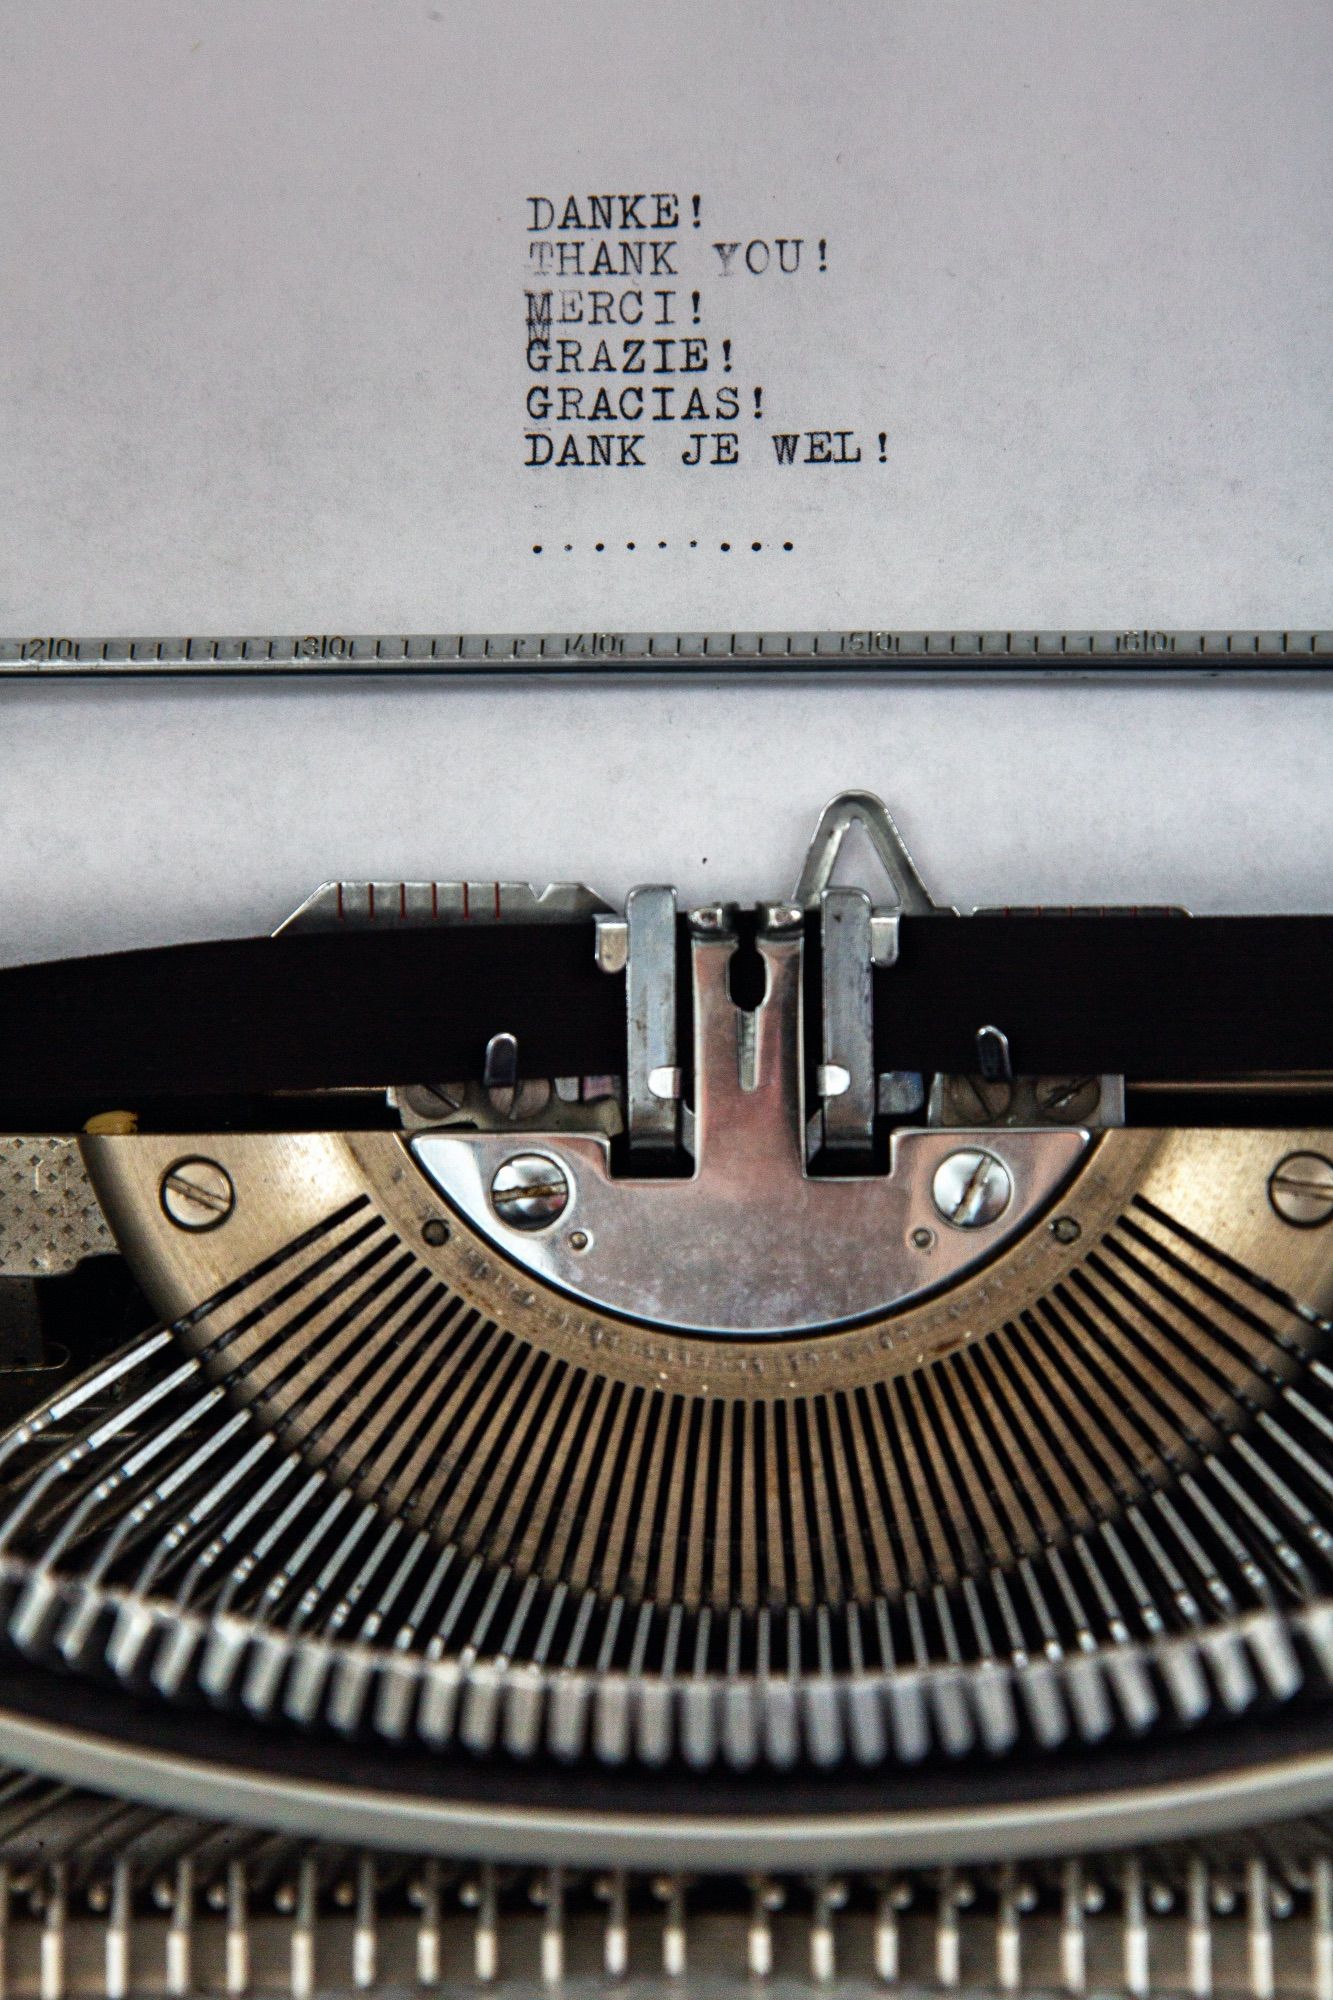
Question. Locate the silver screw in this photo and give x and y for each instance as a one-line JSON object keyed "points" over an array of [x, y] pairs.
{"points": [[1069, 1099], [976, 1100], [971, 1188], [530, 1191], [197, 1194], [1300, 1188]]}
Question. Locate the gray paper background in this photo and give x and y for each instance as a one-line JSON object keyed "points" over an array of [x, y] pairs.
{"points": [[263, 320], [261, 350], [139, 815]]}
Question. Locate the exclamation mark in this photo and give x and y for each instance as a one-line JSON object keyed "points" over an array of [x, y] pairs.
{"points": [[823, 247], [694, 301], [726, 357], [694, 203], [758, 404], [883, 440]]}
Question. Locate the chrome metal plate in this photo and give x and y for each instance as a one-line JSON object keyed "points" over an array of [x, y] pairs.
{"points": [[750, 1244]]}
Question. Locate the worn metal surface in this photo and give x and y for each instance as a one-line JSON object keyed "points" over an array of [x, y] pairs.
{"points": [[50, 1219], [749, 1243]]}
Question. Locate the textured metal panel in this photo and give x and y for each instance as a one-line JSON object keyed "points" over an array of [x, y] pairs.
{"points": [[50, 1217]]}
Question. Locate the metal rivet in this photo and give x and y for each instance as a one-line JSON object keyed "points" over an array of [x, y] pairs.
{"points": [[1065, 1229], [579, 1239], [435, 1232], [197, 1194], [971, 1188], [923, 1238], [529, 1191], [1300, 1188]]}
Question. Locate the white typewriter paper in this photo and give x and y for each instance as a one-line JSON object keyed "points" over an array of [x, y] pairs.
{"points": [[323, 315], [134, 815], [264, 367]]}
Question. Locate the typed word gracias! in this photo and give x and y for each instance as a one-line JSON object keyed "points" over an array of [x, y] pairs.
{"points": [[597, 352], [618, 239]]}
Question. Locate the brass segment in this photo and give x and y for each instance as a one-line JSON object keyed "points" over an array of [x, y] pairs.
{"points": [[1115, 1442], [1096, 1389]]}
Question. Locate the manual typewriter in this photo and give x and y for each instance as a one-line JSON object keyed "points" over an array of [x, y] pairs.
{"points": [[549, 1445]]}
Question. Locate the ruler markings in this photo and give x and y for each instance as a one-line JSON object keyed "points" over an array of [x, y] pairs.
{"points": [[322, 653]]}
